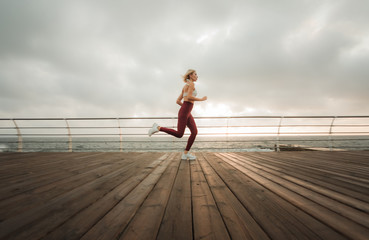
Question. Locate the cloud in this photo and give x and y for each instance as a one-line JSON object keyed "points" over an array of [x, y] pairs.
{"points": [[125, 58]]}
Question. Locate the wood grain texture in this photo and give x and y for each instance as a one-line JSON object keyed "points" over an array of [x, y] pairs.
{"points": [[96, 195]]}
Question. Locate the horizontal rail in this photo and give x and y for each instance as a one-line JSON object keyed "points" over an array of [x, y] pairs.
{"points": [[214, 117], [144, 134], [25, 129], [231, 126]]}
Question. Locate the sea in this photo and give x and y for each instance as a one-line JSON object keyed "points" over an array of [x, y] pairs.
{"points": [[171, 144]]}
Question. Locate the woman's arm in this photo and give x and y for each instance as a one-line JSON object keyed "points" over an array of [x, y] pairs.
{"points": [[179, 99], [192, 98]]}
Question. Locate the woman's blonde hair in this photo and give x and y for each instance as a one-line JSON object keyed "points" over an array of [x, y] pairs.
{"points": [[187, 75]]}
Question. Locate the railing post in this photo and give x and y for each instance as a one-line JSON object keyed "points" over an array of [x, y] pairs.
{"points": [[19, 134], [120, 137], [279, 131], [227, 133], [330, 134], [70, 144]]}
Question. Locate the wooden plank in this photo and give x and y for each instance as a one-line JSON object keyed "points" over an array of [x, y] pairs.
{"points": [[41, 175], [268, 203], [311, 192], [116, 220], [301, 163], [38, 221], [22, 165], [316, 187], [177, 221], [340, 164], [207, 221], [7, 156], [312, 175], [278, 218], [241, 225], [34, 197], [331, 167], [360, 157], [11, 158], [146, 223], [334, 220], [82, 222]]}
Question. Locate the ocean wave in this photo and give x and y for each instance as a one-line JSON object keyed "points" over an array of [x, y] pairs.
{"points": [[3, 147]]}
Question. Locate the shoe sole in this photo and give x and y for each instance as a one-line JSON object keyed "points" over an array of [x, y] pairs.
{"points": [[154, 131]]}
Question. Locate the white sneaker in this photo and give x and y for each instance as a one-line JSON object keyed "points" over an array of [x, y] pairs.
{"points": [[153, 129], [189, 156]]}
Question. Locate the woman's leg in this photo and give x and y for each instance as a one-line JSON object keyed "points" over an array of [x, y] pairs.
{"points": [[192, 126], [183, 114]]}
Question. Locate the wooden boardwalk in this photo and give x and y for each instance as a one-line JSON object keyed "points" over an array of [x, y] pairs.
{"points": [[286, 195]]}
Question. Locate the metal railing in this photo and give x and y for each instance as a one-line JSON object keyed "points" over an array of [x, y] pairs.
{"points": [[234, 133]]}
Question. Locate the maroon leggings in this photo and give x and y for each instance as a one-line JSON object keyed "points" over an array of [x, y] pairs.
{"points": [[184, 119]]}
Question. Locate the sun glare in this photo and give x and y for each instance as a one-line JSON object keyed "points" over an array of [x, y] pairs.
{"points": [[211, 110]]}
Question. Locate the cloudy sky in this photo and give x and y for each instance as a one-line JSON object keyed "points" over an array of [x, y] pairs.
{"points": [[124, 58]]}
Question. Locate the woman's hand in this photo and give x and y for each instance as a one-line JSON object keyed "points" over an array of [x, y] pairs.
{"points": [[204, 98], [179, 99]]}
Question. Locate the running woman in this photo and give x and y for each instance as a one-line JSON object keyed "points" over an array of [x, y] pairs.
{"points": [[185, 118]]}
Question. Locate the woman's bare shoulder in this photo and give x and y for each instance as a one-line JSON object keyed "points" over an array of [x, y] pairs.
{"points": [[191, 84]]}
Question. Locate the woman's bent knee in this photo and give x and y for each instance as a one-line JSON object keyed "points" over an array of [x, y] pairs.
{"points": [[180, 135]]}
